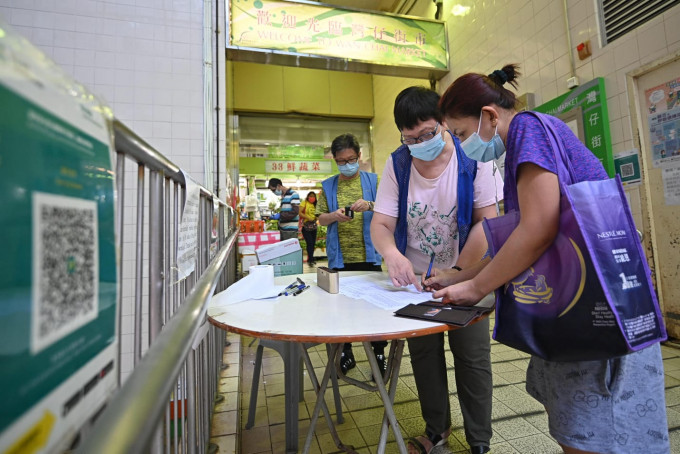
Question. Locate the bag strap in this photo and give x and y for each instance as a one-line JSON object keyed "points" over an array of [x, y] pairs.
{"points": [[565, 172]]}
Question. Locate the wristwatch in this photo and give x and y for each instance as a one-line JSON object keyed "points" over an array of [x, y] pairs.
{"points": [[370, 205]]}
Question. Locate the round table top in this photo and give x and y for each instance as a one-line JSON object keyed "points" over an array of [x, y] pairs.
{"points": [[318, 316]]}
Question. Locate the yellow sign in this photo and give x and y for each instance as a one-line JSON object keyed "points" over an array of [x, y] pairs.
{"points": [[35, 438], [304, 28]]}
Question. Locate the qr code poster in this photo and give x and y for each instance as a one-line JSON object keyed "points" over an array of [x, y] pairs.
{"points": [[59, 276], [65, 267], [627, 165]]}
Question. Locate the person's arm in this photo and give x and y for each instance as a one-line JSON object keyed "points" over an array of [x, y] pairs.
{"points": [[336, 216], [362, 205], [398, 266], [473, 251], [539, 203], [289, 215]]}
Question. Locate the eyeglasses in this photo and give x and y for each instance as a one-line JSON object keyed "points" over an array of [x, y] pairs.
{"points": [[425, 137], [342, 162]]}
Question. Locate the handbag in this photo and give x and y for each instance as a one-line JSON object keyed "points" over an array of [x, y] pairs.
{"points": [[590, 295], [309, 225]]}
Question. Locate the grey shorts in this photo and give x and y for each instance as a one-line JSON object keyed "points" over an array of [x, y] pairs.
{"points": [[612, 406]]}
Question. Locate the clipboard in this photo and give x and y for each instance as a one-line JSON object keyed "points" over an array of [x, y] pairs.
{"points": [[437, 312]]}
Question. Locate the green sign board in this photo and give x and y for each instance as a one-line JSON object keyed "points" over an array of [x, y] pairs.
{"points": [[58, 278], [592, 101], [295, 152], [327, 31]]}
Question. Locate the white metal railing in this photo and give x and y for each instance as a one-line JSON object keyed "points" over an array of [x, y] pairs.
{"points": [[165, 405]]}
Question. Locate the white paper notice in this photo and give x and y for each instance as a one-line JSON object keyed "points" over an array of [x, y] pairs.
{"points": [[187, 239], [671, 185], [259, 284], [380, 292]]}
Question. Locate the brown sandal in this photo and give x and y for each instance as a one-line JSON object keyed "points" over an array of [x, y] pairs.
{"points": [[434, 440]]}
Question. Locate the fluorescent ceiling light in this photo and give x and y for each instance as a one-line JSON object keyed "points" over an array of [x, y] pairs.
{"points": [[460, 10]]}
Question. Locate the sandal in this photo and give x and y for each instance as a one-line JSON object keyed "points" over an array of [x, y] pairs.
{"points": [[433, 440]]}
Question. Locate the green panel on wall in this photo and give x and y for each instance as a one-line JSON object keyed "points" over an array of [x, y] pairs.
{"points": [[306, 90], [258, 87], [592, 100], [351, 94]]}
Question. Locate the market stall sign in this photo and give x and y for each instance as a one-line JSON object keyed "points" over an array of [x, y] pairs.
{"points": [[323, 167], [304, 28]]}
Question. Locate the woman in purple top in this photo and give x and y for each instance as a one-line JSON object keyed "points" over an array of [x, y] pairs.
{"points": [[608, 406]]}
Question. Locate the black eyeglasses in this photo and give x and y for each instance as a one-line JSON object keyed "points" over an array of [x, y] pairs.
{"points": [[423, 138], [342, 162]]}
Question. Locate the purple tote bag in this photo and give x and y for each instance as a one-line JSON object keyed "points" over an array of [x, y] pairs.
{"points": [[590, 295]]}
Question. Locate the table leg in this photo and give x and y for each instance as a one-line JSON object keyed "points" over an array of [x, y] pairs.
{"points": [[396, 354], [385, 396], [254, 388], [320, 399], [291, 373], [336, 389]]}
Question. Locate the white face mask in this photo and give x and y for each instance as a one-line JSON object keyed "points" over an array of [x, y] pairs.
{"points": [[475, 148]]}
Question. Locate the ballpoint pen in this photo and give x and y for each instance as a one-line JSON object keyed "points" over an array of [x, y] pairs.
{"points": [[291, 287], [429, 268], [300, 290]]}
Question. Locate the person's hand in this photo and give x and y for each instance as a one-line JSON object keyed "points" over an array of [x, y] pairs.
{"points": [[439, 279], [339, 215], [463, 294], [401, 271], [360, 205]]}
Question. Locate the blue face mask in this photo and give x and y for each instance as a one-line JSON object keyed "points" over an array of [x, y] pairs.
{"points": [[349, 170], [278, 192], [428, 150], [475, 148]]}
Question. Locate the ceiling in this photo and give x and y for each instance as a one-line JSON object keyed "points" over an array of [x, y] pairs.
{"points": [[391, 6]]}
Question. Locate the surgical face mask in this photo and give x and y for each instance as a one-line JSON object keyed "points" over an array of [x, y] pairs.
{"points": [[475, 148], [349, 170], [428, 150], [278, 192]]}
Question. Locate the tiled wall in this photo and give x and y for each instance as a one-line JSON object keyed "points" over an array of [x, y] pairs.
{"points": [[145, 59], [533, 34]]}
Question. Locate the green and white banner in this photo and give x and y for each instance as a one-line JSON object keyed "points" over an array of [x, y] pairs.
{"points": [[307, 28]]}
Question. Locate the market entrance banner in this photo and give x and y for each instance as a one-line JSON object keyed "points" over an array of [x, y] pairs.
{"points": [[304, 28]]}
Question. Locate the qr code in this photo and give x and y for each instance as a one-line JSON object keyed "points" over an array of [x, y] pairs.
{"points": [[65, 287], [627, 170]]}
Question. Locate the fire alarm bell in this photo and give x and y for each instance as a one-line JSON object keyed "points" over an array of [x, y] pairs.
{"points": [[584, 50]]}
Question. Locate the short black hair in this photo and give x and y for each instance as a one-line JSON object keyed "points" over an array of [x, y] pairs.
{"points": [[274, 183], [416, 104], [344, 141]]}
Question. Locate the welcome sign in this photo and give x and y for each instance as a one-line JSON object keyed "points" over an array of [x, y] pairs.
{"points": [[304, 28]]}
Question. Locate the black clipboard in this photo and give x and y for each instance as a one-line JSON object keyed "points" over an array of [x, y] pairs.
{"points": [[437, 312]]}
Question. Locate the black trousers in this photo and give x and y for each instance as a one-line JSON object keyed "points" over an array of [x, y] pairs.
{"points": [[310, 239]]}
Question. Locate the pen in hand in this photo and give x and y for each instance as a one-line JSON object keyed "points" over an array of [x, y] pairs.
{"points": [[429, 268]]}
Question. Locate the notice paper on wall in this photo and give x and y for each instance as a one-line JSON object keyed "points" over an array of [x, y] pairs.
{"points": [[671, 184], [259, 284], [187, 238]]}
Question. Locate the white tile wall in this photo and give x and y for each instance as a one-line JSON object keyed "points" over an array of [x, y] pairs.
{"points": [[144, 58], [532, 33]]}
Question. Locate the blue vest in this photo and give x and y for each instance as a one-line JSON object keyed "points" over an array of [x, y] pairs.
{"points": [[467, 171], [369, 188]]}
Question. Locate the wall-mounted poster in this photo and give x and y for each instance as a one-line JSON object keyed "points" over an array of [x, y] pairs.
{"points": [[663, 113]]}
